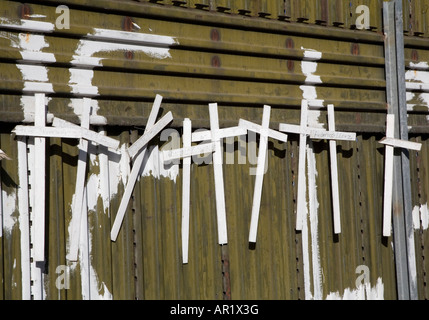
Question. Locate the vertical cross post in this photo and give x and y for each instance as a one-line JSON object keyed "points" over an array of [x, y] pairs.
{"points": [[391, 143], [316, 133], [334, 172], [41, 132], [215, 135], [39, 179], [186, 152], [186, 186], [218, 174], [264, 132], [77, 209]]}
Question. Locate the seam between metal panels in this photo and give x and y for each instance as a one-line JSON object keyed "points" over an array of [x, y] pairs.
{"points": [[137, 294], [421, 236], [361, 219]]}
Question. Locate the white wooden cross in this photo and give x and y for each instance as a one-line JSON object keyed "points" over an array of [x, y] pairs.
{"points": [[40, 132], [264, 132], [138, 149], [186, 152], [80, 185], [391, 143], [215, 135], [316, 133]]}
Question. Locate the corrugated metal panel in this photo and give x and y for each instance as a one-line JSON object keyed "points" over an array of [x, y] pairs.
{"points": [[242, 63]]}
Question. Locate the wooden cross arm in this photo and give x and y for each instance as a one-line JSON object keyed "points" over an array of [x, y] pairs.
{"points": [[332, 135], [188, 151], [401, 143], [150, 134], [223, 133], [316, 133], [66, 132], [258, 129], [87, 134]]}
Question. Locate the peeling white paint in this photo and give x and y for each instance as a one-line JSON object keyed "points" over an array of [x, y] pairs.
{"points": [[104, 41], [76, 104], [31, 46], [27, 106], [362, 292], [153, 165], [309, 68], [9, 213], [314, 222], [420, 214], [155, 46], [92, 288], [81, 82], [35, 76], [417, 79], [35, 15], [311, 54], [310, 246], [119, 170], [27, 25]]}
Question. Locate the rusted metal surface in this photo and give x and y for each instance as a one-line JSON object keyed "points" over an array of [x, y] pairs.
{"points": [[241, 54]]}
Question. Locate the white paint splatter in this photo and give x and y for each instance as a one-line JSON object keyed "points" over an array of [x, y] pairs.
{"points": [[31, 45], [420, 215], [153, 165], [362, 292], [35, 76], [81, 82], [8, 202], [92, 289], [310, 245], [311, 54], [417, 79], [27, 106], [26, 25], [104, 40], [309, 68], [76, 104]]}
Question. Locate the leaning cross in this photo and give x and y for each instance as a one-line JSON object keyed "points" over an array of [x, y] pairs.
{"points": [[391, 143], [40, 132], [80, 184], [186, 152], [139, 148], [316, 133], [215, 135], [264, 132]]}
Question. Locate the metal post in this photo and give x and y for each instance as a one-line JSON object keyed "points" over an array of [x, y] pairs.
{"points": [[403, 128], [403, 233], [393, 108]]}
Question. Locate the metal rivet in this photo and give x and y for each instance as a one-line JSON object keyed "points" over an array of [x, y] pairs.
{"points": [[127, 24], [289, 43], [355, 49], [24, 11], [129, 55], [215, 62], [414, 55], [290, 65], [215, 35]]}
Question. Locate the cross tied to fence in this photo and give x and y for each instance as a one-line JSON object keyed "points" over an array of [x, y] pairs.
{"points": [[60, 129], [391, 142], [212, 143], [306, 132]]}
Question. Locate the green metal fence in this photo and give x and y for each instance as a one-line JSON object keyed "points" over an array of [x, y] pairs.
{"points": [[242, 55]]}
